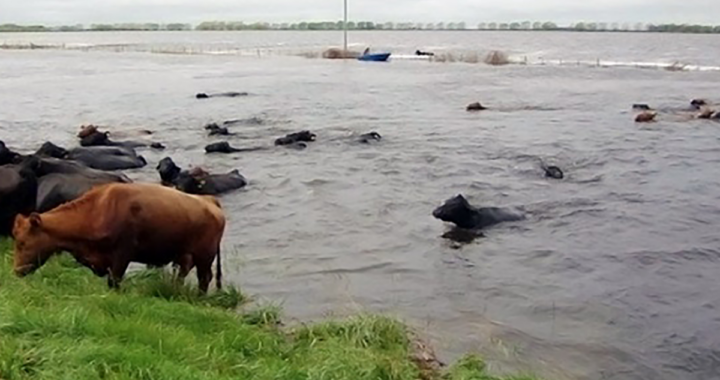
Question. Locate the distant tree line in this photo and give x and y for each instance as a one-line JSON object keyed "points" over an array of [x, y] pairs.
{"points": [[525, 25], [369, 25], [140, 27], [95, 27], [684, 28], [22, 28], [330, 25]]}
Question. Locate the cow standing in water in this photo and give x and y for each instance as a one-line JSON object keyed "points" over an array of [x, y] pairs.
{"points": [[115, 224]]}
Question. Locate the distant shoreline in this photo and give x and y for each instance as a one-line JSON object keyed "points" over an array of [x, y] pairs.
{"points": [[580, 27], [569, 30]]}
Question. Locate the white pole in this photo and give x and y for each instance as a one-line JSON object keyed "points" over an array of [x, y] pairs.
{"points": [[345, 27]]}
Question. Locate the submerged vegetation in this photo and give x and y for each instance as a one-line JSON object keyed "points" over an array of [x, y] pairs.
{"points": [[63, 323]]}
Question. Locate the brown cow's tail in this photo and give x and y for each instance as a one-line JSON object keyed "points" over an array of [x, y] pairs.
{"points": [[218, 271]]}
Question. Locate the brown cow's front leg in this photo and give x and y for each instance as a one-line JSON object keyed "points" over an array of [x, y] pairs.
{"points": [[184, 264], [117, 272], [120, 261]]}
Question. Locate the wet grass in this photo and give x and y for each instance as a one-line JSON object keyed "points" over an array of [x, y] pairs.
{"points": [[63, 323]]}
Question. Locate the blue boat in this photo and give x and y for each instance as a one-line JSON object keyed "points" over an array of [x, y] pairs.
{"points": [[376, 57]]}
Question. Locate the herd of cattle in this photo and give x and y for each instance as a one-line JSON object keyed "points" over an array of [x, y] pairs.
{"points": [[77, 200], [698, 109], [53, 175]]}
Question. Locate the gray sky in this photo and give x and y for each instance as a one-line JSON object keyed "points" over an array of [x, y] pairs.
{"points": [[470, 11]]}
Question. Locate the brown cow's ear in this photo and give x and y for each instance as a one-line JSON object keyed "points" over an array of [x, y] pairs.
{"points": [[35, 221]]}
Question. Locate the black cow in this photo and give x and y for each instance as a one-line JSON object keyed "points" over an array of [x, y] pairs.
{"points": [[96, 157], [168, 171], [197, 181], [61, 181], [458, 211], [203, 95], [294, 138], [475, 107], [18, 186], [551, 171], [224, 147], [45, 166], [58, 188], [369, 137], [218, 130], [212, 184], [6, 155], [698, 103], [108, 158]]}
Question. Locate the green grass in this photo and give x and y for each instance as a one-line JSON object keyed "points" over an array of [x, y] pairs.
{"points": [[63, 323]]}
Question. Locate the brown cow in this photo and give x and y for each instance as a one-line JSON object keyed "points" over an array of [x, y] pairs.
{"points": [[87, 130], [115, 224], [645, 117]]}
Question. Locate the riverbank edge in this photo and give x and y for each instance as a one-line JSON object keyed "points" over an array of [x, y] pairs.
{"points": [[63, 323]]}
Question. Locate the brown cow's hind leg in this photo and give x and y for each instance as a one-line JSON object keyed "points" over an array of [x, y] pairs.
{"points": [[204, 273]]}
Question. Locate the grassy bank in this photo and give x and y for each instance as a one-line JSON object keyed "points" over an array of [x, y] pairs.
{"points": [[63, 323]]}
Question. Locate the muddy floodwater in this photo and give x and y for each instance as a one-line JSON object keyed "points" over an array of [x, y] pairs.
{"points": [[612, 275]]}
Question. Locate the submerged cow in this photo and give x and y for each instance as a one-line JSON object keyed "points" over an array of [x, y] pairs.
{"points": [[218, 130], [458, 211], [295, 138], [56, 189], [113, 225], [60, 181], [96, 157], [709, 114], [367, 138], [225, 147], [198, 181], [86, 130], [7, 156], [475, 107], [168, 171], [645, 117], [46, 165], [108, 158], [90, 135], [210, 184], [203, 95], [698, 103], [18, 186], [552, 171]]}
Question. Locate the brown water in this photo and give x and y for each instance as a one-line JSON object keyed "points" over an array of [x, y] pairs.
{"points": [[612, 276]]}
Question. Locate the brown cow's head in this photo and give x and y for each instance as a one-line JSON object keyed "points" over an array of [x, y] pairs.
{"points": [[33, 245], [87, 130]]}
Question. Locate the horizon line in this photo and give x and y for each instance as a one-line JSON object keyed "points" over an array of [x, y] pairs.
{"points": [[356, 22]]}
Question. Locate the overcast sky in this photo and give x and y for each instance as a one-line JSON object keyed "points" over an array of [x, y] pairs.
{"points": [[470, 11]]}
